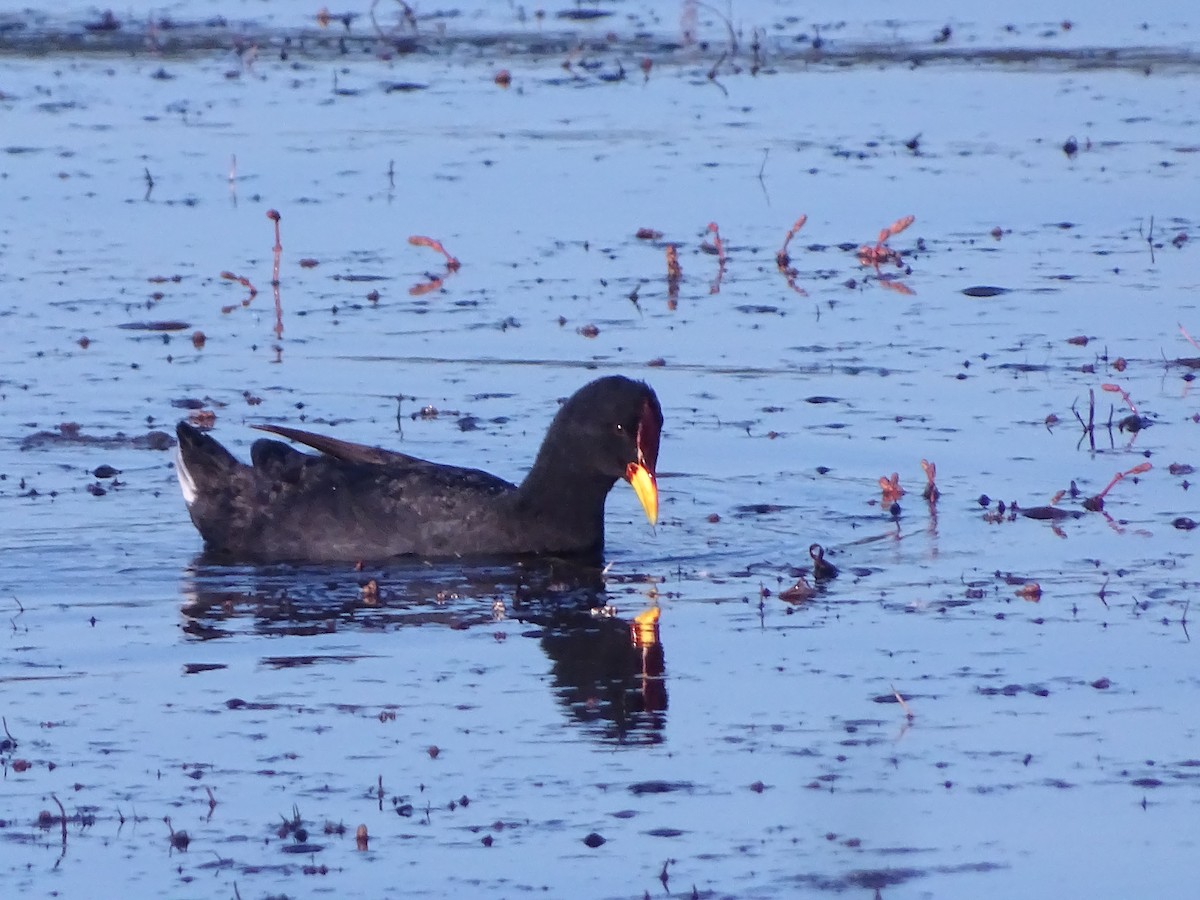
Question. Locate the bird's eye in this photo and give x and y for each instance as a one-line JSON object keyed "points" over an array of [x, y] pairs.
{"points": [[619, 428]]}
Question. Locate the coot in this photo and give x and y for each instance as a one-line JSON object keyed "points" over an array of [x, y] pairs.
{"points": [[354, 502]]}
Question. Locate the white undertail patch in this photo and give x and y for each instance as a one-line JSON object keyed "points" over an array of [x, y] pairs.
{"points": [[186, 483]]}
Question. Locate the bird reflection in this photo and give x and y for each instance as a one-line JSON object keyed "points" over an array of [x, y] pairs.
{"points": [[608, 672]]}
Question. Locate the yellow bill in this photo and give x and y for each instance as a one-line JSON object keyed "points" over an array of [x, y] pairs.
{"points": [[644, 628], [646, 488]]}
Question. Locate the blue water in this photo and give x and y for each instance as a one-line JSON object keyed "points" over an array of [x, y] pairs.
{"points": [[758, 747]]}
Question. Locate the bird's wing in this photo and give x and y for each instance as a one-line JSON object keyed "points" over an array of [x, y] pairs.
{"points": [[345, 450]]}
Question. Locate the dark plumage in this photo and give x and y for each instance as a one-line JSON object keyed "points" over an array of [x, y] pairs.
{"points": [[355, 502]]}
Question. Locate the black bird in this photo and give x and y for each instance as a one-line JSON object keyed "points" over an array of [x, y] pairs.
{"points": [[356, 503]]}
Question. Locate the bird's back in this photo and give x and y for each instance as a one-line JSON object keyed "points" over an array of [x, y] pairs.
{"points": [[289, 505]]}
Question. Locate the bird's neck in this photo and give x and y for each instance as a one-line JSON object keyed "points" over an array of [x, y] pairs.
{"points": [[557, 490]]}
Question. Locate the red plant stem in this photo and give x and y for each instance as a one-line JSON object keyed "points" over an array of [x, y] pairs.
{"points": [[273, 215], [244, 282], [1117, 389], [1190, 339], [718, 243], [1136, 470], [799, 223], [419, 240], [278, 312]]}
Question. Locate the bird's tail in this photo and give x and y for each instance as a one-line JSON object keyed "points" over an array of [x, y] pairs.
{"points": [[201, 461]]}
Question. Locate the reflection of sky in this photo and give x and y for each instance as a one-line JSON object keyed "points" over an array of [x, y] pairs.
{"points": [[538, 189]]}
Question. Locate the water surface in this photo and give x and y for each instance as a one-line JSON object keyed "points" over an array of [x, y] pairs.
{"points": [[481, 721]]}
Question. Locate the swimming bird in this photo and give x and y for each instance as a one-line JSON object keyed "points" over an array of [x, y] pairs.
{"points": [[353, 502]]}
